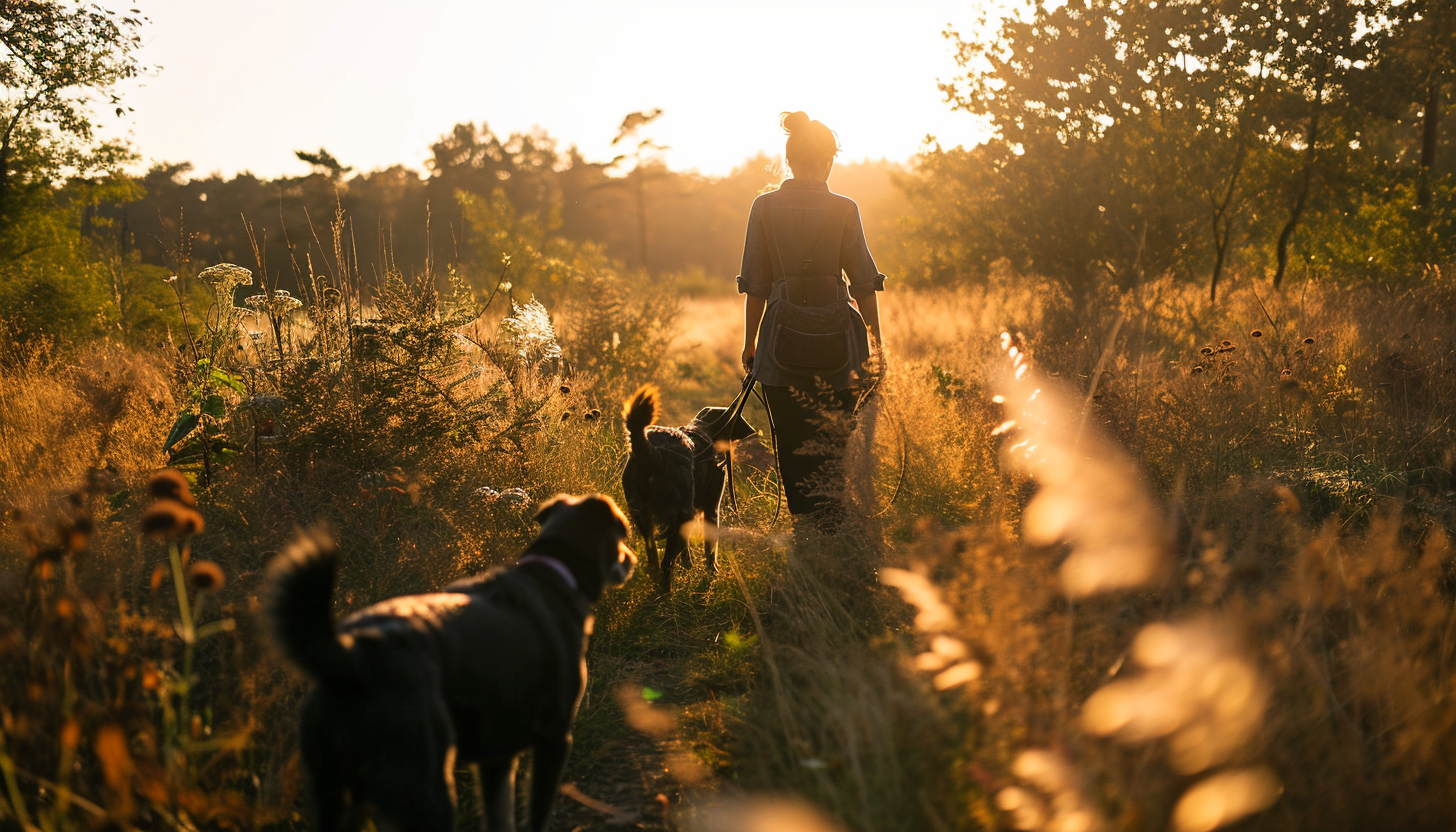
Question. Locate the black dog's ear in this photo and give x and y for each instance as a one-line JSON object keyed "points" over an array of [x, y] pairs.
{"points": [[548, 508]]}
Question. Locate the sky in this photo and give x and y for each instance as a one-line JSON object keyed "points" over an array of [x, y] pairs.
{"points": [[241, 86]]}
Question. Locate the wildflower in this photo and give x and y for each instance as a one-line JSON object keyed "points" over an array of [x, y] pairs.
{"points": [[276, 302], [171, 278], [515, 497], [170, 520], [529, 333], [224, 277], [205, 576], [170, 484]]}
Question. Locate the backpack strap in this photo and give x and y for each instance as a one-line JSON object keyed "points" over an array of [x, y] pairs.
{"points": [[776, 262], [835, 219]]}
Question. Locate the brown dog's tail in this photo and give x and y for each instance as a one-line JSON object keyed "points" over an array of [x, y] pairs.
{"points": [[300, 608], [639, 413]]}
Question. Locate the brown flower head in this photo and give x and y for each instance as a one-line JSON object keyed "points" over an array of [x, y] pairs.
{"points": [[169, 484], [565, 415], [1257, 333], [1198, 368], [1309, 342], [565, 390], [205, 576], [1206, 351], [170, 520]]}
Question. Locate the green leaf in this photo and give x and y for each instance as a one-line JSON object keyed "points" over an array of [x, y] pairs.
{"points": [[118, 499], [180, 428], [215, 407], [651, 695], [229, 380]]}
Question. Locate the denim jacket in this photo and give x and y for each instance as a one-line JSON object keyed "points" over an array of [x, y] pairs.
{"points": [[800, 210]]}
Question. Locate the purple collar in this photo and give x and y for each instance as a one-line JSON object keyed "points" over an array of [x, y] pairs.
{"points": [[553, 563]]}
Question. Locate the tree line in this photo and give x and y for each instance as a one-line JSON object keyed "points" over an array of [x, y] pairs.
{"points": [[1131, 141]]}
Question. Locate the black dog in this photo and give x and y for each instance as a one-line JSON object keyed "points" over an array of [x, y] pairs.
{"points": [[474, 674], [673, 474]]}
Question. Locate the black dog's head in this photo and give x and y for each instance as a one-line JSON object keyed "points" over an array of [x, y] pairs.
{"points": [[716, 422], [594, 532]]}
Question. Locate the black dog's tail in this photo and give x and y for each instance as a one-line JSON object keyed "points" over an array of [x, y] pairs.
{"points": [[639, 413], [299, 607]]}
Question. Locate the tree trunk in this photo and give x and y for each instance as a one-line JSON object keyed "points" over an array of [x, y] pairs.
{"points": [[641, 195], [1430, 140], [1302, 198]]}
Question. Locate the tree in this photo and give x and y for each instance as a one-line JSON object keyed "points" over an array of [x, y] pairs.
{"points": [[324, 163], [646, 164], [1139, 139], [58, 59]]}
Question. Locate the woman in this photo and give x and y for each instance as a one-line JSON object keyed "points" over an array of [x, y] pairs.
{"points": [[802, 337]]}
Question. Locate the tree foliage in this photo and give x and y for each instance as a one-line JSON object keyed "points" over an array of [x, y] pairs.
{"points": [[57, 61], [1133, 140]]}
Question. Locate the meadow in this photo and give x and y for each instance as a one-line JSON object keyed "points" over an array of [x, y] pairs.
{"points": [[1149, 564]]}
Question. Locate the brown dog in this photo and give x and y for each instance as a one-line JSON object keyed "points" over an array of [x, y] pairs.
{"points": [[412, 687]]}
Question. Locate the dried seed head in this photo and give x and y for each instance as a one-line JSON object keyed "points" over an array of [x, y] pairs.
{"points": [[565, 390], [1257, 333], [565, 415], [169, 484], [1206, 351], [1225, 343], [205, 576], [170, 520], [1198, 368]]}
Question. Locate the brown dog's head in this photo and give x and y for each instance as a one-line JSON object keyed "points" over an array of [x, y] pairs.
{"points": [[594, 532]]}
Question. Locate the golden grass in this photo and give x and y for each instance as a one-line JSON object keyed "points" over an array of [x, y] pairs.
{"points": [[1293, 633]]}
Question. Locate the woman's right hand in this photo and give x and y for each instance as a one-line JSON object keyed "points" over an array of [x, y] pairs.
{"points": [[748, 352]]}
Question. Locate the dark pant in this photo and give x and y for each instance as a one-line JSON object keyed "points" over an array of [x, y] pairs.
{"points": [[810, 429]]}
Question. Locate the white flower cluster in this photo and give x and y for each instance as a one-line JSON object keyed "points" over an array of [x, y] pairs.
{"points": [[278, 302]]}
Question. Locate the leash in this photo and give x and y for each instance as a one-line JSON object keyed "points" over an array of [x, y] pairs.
{"points": [[773, 434], [733, 411]]}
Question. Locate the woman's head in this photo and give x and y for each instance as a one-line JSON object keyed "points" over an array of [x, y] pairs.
{"points": [[811, 147]]}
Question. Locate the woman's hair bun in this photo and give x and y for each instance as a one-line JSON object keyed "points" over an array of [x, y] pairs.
{"points": [[794, 122]]}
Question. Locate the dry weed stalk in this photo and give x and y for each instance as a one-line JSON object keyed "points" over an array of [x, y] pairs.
{"points": [[1197, 689]]}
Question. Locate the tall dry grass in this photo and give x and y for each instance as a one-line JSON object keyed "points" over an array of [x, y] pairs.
{"points": [[1205, 575]]}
